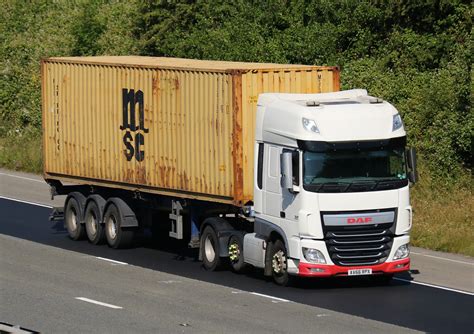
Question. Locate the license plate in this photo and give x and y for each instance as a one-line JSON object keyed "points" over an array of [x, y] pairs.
{"points": [[358, 272]]}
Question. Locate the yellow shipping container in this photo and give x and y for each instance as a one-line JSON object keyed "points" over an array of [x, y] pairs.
{"points": [[177, 127]]}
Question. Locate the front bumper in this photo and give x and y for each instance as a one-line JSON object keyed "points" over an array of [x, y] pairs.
{"points": [[302, 268], [324, 270]]}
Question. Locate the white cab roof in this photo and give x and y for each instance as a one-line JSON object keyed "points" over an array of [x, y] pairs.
{"points": [[350, 115]]}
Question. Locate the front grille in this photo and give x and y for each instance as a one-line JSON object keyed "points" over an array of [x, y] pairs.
{"points": [[362, 246]]}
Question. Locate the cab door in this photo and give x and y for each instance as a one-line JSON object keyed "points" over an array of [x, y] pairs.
{"points": [[271, 181]]}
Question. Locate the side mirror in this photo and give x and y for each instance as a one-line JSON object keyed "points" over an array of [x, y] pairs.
{"points": [[411, 162], [412, 177], [286, 170]]}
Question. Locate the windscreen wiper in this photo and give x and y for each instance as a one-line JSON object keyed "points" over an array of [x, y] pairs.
{"points": [[355, 186], [341, 186], [387, 184], [362, 186]]}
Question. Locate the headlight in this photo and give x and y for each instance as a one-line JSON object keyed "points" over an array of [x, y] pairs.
{"points": [[310, 125], [397, 122], [313, 255], [402, 252]]}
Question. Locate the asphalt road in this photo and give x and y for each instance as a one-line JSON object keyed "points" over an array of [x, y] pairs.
{"points": [[49, 283]]}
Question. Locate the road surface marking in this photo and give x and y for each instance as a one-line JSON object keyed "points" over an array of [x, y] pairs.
{"points": [[434, 286], [442, 258], [98, 303], [169, 282], [255, 293], [24, 178], [26, 202], [271, 297], [110, 260]]}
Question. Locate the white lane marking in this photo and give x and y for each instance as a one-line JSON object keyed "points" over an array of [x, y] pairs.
{"points": [[169, 282], [110, 260], [271, 297], [442, 258], [26, 202], [434, 286], [22, 177], [98, 303]]}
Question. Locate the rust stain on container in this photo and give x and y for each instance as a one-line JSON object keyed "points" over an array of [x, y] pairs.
{"points": [[178, 127]]}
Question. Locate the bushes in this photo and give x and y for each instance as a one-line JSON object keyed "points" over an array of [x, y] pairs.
{"points": [[52, 28], [417, 55], [29, 33], [435, 108]]}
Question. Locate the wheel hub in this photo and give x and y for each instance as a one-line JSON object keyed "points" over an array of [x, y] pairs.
{"points": [[73, 220], [112, 228], [93, 224], [234, 252], [279, 262], [209, 249]]}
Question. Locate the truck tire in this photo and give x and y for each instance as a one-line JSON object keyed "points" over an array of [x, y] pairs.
{"points": [[236, 254], [210, 249], [94, 225], [116, 235], [279, 263], [73, 218]]}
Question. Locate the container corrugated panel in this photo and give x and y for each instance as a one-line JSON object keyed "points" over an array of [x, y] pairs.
{"points": [[303, 79], [171, 126]]}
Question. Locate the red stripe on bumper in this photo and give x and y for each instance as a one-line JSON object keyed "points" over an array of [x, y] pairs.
{"points": [[307, 269]]}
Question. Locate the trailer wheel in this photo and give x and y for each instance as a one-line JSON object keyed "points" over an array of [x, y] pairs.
{"points": [[117, 236], [73, 218], [210, 249], [93, 221], [236, 254], [279, 263]]}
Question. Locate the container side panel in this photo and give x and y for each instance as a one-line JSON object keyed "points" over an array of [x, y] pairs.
{"points": [[170, 130], [182, 132], [310, 80]]}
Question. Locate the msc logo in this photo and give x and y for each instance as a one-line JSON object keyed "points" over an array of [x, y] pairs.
{"points": [[359, 220], [133, 139]]}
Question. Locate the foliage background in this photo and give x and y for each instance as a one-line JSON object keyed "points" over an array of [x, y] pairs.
{"points": [[415, 54]]}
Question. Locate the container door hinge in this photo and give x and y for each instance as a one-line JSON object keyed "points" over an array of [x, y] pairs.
{"points": [[176, 220]]}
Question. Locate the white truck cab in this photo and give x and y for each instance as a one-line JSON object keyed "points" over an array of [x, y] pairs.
{"points": [[332, 178]]}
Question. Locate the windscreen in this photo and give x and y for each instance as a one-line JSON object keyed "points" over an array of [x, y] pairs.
{"points": [[354, 170]]}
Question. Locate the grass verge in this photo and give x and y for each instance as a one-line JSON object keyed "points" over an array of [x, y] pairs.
{"points": [[443, 214], [21, 153]]}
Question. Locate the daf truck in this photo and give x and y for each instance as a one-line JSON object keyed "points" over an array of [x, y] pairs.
{"points": [[263, 165]]}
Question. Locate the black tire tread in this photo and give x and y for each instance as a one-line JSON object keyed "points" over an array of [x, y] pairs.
{"points": [[99, 238], [73, 202], [125, 236], [284, 279], [239, 266], [217, 263]]}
